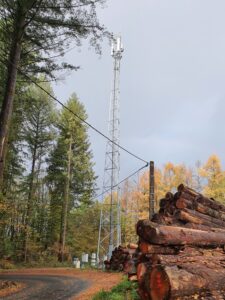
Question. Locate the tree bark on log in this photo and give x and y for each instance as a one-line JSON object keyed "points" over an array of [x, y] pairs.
{"points": [[190, 216], [182, 203], [190, 258], [189, 194], [211, 203], [170, 282], [203, 227], [184, 189], [160, 218], [147, 248], [210, 212], [201, 217], [171, 235]]}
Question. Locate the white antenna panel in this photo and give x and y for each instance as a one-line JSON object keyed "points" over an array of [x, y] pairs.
{"points": [[118, 44]]}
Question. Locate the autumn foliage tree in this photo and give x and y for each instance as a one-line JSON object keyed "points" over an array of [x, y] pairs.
{"points": [[215, 177], [208, 178]]}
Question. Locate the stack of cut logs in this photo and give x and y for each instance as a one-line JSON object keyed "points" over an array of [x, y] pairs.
{"points": [[182, 249], [123, 259]]}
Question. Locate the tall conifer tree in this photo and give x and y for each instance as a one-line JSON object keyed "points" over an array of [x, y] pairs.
{"points": [[33, 30], [70, 174]]}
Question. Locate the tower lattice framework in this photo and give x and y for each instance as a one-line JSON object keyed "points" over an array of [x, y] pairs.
{"points": [[110, 219]]}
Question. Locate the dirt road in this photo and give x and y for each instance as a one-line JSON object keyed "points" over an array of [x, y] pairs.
{"points": [[46, 287], [57, 284]]}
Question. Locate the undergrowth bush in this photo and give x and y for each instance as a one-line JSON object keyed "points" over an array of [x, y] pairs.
{"points": [[5, 264]]}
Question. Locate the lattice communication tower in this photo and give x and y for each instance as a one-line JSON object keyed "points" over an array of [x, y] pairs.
{"points": [[110, 223]]}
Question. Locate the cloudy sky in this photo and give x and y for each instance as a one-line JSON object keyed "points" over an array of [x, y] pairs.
{"points": [[172, 81]]}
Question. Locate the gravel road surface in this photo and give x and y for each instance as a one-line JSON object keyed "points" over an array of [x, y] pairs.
{"points": [[45, 287]]}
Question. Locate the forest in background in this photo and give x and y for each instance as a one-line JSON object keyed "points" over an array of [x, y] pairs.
{"points": [[50, 187], [46, 168], [50, 176]]}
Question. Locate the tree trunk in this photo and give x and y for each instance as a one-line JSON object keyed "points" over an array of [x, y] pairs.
{"points": [[7, 105], [65, 205], [29, 204]]}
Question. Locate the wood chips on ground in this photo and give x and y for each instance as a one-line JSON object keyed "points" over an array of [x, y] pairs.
{"points": [[9, 287]]}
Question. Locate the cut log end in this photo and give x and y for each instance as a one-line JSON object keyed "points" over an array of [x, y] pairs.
{"points": [[141, 270], [180, 187], [159, 287]]}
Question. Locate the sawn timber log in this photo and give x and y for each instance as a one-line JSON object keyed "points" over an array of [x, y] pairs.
{"points": [[172, 235]]}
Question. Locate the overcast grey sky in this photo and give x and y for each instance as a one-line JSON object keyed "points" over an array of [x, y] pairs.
{"points": [[172, 80]]}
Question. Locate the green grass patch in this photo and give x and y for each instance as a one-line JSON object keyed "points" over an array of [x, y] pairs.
{"points": [[126, 290]]}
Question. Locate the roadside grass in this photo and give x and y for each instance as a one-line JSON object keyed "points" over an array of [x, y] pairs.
{"points": [[126, 290], [41, 263]]}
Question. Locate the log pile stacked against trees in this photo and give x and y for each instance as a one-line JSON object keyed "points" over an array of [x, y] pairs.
{"points": [[182, 249]]}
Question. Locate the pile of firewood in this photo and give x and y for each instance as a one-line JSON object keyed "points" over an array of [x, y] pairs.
{"points": [[182, 249]]}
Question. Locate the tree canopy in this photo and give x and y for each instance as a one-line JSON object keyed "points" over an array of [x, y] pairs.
{"points": [[34, 33]]}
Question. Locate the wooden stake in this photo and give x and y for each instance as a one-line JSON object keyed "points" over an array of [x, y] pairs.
{"points": [[151, 189]]}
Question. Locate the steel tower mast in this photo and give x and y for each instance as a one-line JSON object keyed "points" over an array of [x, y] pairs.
{"points": [[110, 225]]}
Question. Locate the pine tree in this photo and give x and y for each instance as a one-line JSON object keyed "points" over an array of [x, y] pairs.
{"points": [[70, 174], [38, 134], [13, 175], [33, 30]]}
